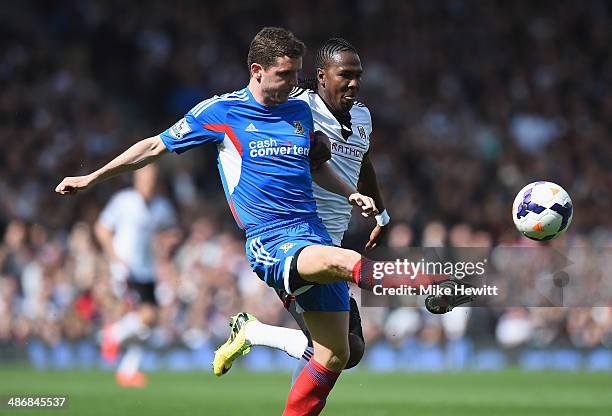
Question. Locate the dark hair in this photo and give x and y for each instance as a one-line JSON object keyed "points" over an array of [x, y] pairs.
{"points": [[331, 47], [271, 43], [308, 83]]}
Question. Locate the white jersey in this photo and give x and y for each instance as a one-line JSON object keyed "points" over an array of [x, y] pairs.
{"points": [[135, 223], [347, 152]]}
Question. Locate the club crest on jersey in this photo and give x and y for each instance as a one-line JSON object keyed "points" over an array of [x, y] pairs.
{"points": [[286, 247], [299, 129], [362, 133]]}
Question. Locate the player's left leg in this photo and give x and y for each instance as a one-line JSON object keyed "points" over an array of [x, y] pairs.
{"points": [[135, 323], [326, 311], [128, 372], [355, 338], [131, 331], [309, 392], [356, 341]]}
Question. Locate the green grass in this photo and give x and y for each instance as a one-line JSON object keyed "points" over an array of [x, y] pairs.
{"points": [[357, 393]]}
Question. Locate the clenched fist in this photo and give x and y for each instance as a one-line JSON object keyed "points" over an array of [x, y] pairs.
{"points": [[73, 184]]}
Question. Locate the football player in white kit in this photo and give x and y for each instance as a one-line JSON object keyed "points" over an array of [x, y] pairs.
{"points": [[347, 124], [127, 229]]}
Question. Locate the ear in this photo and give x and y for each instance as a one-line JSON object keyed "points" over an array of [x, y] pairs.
{"points": [[321, 77], [256, 71]]}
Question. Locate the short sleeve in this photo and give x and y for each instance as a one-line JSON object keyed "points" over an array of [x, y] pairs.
{"points": [[197, 127]]}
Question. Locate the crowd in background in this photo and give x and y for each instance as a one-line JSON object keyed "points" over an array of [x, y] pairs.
{"points": [[470, 101]]}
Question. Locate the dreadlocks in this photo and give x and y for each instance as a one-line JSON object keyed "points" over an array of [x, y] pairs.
{"points": [[324, 55], [331, 47]]}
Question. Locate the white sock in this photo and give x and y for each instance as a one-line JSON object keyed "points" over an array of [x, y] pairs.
{"points": [[306, 356], [130, 363], [128, 326], [292, 341]]}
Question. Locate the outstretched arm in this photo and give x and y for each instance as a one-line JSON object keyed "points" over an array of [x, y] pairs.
{"points": [[327, 178], [138, 155], [368, 184]]}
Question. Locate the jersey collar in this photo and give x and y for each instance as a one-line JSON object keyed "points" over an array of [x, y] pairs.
{"points": [[344, 119]]}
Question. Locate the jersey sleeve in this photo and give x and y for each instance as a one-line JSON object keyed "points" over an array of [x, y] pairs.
{"points": [[197, 127], [370, 124]]}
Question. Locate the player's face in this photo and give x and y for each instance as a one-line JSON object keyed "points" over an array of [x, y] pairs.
{"points": [[279, 79], [340, 80]]}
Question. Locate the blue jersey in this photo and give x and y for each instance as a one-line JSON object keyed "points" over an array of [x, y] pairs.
{"points": [[263, 155]]}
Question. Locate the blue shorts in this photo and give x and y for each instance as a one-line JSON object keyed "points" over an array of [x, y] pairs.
{"points": [[270, 250]]}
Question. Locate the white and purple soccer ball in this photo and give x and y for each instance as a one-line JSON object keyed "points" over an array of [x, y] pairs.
{"points": [[542, 211]]}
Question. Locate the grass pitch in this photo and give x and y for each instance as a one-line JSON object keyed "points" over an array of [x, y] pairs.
{"points": [[358, 393]]}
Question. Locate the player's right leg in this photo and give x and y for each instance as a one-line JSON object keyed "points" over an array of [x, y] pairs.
{"points": [[247, 331], [321, 264]]}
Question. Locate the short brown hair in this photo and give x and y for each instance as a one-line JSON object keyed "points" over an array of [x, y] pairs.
{"points": [[274, 42]]}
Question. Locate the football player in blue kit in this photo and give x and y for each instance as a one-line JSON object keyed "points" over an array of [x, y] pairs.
{"points": [[263, 137], [347, 125]]}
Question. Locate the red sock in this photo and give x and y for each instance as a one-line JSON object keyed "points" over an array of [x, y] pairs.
{"points": [[363, 276], [309, 392]]}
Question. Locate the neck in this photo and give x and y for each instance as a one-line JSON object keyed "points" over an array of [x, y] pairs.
{"points": [[326, 100], [145, 197], [255, 88]]}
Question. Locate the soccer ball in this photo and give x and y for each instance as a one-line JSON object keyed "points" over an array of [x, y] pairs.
{"points": [[542, 211]]}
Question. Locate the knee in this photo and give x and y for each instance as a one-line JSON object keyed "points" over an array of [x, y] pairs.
{"points": [[341, 261], [335, 359], [339, 358], [356, 350]]}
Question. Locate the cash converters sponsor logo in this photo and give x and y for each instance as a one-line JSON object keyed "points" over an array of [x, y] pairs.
{"points": [[271, 147]]}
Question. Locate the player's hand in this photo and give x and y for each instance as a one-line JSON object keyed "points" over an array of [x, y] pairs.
{"points": [[368, 208], [73, 184], [319, 150], [377, 234]]}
